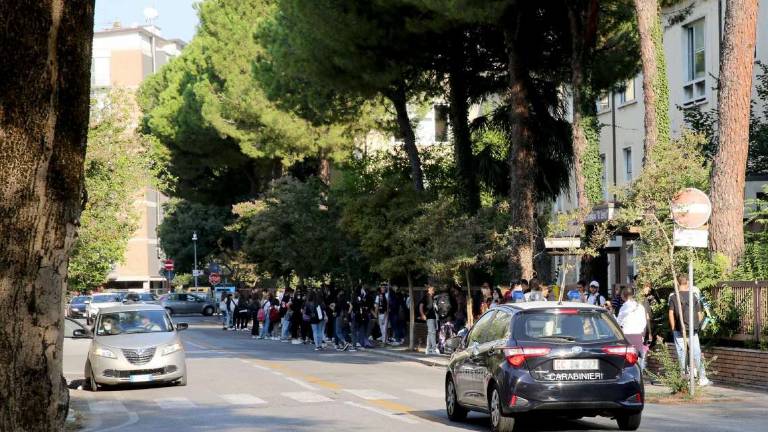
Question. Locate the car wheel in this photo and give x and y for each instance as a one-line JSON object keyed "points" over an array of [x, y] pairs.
{"points": [[182, 381], [92, 385], [455, 411], [628, 422], [499, 423], [170, 311], [208, 311]]}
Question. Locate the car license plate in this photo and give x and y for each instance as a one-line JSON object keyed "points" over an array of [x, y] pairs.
{"points": [[141, 378], [575, 364], [76, 309]]}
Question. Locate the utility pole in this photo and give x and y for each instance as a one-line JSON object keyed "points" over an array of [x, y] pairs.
{"points": [[194, 247]]}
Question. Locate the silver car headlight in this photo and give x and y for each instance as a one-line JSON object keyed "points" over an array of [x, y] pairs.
{"points": [[103, 352], [172, 348]]}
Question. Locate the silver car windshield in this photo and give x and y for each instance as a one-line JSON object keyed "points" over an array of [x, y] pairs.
{"points": [[138, 321], [106, 299]]}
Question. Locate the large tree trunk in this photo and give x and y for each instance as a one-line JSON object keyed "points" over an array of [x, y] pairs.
{"points": [[522, 162], [400, 102], [466, 177], [44, 105], [729, 167], [655, 87], [582, 16]]}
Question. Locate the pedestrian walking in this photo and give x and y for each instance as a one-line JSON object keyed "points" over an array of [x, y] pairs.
{"points": [[460, 310], [397, 313], [316, 311], [679, 319], [594, 297], [254, 306], [223, 312], [266, 306], [285, 315], [297, 315], [361, 311], [340, 315], [230, 305], [649, 302], [242, 313], [633, 321], [428, 314], [381, 311]]}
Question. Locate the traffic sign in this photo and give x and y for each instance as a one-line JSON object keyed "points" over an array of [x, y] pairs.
{"points": [[691, 208], [197, 272], [696, 238], [168, 264], [214, 278]]}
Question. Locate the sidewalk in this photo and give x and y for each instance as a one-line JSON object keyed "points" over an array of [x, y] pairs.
{"points": [[654, 393]]}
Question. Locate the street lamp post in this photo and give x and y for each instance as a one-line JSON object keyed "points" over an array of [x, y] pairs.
{"points": [[194, 246]]}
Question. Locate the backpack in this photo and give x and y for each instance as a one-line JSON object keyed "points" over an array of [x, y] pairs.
{"points": [[260, 315], [274, 314], [443, 305], [518, 296]]}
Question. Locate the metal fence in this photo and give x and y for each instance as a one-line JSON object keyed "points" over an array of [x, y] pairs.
{"points": [[752, 298]]}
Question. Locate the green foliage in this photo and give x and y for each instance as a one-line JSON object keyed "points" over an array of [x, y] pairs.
{"points": [[182, 218], [116, 167], [591, 165], [291, 229], [726, 315], [670, 374]]}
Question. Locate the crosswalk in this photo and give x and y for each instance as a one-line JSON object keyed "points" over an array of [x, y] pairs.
{"points": [[181, 403]]}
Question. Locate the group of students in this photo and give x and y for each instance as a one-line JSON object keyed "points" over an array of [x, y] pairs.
{"points": [[319, 316]]}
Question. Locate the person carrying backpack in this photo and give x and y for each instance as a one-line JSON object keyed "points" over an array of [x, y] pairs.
{"points": [[381, 308], [594, 297], [316, 311]]}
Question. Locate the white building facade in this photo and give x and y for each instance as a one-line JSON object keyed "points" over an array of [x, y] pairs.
{"points": [[692, 39]]}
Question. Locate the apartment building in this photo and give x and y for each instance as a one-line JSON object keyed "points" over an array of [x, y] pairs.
{"points": [[692, 39], [124, 57]]}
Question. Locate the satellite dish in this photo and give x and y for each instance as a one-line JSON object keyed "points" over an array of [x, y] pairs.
{"points": [[150, 14]]}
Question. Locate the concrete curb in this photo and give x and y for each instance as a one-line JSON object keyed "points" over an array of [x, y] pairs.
{"points": [[433, 361]]}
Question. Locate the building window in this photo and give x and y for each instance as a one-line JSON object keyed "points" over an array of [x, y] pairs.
{"points": [[603, 103], [628, 164], [603, 177], [441, 123], [695, 59], [627, 93], [100, 73]]}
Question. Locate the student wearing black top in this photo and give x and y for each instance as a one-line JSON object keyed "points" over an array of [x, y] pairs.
{"points": [[381, 306], [427, 313], [285, 315], [678, 319], [361, 311], [340, 308]]}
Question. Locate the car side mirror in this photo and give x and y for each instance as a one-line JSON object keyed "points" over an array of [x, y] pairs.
{"points": [[87, 302], [80, 334], [182, 326], [463, 332]]}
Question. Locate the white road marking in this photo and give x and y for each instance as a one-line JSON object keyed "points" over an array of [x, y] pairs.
{"points": [[175, 403], [277, 373], [400, 417], [306, 397], [106, 406], [186, 342], [301, 383], [260, 367], [370, 394], [430, 393], [242, 399]]}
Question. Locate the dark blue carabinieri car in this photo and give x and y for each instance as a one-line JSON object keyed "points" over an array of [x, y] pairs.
{"points": [[563, 359]]}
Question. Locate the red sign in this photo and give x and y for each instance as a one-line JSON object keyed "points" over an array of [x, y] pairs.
{"points": [[214, 278], [168, 264], [691, 208]]}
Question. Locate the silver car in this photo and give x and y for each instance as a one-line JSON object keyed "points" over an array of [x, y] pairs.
{"points": [[135, 343], [183, 303], [99, 301]]}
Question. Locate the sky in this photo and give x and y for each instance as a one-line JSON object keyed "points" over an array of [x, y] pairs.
{"points": [[177, 18]]}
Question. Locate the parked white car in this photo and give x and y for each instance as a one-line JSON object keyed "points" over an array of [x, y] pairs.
{"points": [[101, 301]]}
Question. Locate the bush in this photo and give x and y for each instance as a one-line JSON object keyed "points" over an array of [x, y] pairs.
{"points": [[670, 374], [725, 315]]}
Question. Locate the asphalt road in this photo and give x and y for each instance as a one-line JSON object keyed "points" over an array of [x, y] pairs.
{"points": [[240, 384]]}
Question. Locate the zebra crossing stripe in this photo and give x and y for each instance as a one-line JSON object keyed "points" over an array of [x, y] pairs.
{"points": [[242, 399], [370, 394], [306, 397], [175, 403], [399, 417]]}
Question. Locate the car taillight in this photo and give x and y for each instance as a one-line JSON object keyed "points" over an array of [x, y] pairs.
{"points": [[628, 352], [516, 356]]}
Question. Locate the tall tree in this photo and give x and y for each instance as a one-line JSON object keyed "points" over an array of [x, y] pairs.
{"points": [[365, 49], [115, 163], [655, 86], [44, 92], [734, 97]]}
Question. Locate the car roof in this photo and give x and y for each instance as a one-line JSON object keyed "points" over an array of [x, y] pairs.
{"points": [[132, 307], [106, 294], [525, 306]]}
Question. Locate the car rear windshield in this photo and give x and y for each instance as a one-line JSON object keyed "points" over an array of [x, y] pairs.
{"points": [[566, 325], [80, 299]]}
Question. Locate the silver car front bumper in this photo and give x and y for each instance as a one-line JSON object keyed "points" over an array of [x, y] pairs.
{"points": [[120, 371]]}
